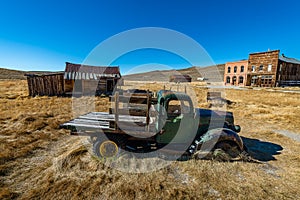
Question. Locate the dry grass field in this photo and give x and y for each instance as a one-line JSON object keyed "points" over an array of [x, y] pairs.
{"points": [[40, 161]]}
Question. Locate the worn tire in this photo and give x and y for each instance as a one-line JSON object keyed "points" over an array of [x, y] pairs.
{"points": [[105, 149], [228, 147], [118, 139], [108, 147]]}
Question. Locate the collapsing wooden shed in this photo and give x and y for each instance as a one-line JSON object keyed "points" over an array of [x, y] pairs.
{"points": [[180, 78], [45, 84], [77, 80], [91, 80]]}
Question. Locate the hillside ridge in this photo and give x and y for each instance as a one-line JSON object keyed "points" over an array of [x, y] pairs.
{"points": [[156, 75], [216, 71], [6, 73]]}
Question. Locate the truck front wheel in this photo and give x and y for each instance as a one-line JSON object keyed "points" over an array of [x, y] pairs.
{"points": [[228, 147]]}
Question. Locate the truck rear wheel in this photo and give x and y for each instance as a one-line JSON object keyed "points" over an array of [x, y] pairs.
{"points": [[106, 149]]}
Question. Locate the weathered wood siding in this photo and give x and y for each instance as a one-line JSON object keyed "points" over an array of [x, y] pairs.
{"points": [[49, 85], [90, 87], [262, 75], [102, 85], [69, 85], [288, 73]]}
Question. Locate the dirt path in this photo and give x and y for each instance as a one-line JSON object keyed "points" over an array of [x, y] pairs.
{"points": [[293, 136]]}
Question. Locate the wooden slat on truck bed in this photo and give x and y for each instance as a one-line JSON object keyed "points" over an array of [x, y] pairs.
{"points": [[95, 121], [111, 117]]}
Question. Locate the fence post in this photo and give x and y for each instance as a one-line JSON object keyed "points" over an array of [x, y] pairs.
{"points": [[116, 110]]}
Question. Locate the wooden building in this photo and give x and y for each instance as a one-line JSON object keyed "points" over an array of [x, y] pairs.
{"points": [[180, 78], [91, 80], [76, 80], [270, 69], [45, 84], [288, 72], [262, 68]]}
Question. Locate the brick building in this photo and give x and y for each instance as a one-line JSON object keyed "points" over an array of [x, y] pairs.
{"points": [[236, 73], [263, 69]]}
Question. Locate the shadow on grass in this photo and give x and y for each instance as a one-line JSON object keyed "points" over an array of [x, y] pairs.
{"points": [[260, 150]]}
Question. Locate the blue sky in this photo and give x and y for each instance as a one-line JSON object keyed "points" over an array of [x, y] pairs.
{"points": [[43, 35]]}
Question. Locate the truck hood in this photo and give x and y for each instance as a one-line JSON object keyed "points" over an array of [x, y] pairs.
{"points": [[207, 116]]}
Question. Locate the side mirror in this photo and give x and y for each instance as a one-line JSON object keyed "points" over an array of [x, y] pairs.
{"points": [[237, 128]]}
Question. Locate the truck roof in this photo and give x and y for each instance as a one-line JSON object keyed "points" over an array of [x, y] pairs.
{"points": [[173, 95]]}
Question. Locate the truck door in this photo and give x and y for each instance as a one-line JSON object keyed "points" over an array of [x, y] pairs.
{"points": [[179, 122]]}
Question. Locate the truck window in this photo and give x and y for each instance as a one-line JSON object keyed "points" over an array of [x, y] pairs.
{"points": [[177, 107]]}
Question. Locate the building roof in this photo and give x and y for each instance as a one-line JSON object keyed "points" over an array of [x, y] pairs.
{"points": [[78, 71], [71, 67], [41, 74], [269, 51], [289, 60], [239, 61]]}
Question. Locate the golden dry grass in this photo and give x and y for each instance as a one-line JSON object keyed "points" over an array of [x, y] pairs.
{"points": [[40, 161]]}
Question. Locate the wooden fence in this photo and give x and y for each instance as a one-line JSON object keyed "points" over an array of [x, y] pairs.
{"points": [[49, 85]]}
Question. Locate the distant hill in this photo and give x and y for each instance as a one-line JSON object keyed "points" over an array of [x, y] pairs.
{"points": [[18, 74], [11, 74], [213, 73]]}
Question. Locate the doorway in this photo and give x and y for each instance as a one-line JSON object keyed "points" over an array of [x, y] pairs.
{"points": [[109, 85], [234, 80]]}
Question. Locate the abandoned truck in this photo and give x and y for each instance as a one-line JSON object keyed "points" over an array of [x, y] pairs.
{"points": [[168, 122]]}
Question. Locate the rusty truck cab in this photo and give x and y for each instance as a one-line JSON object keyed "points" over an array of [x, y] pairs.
{"points": [[176, 122]]}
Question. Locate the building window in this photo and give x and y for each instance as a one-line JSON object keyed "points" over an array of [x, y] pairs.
{"points": [[266, 80], [280, 67], [228, 70], [254, 80], [289, 69], [269, 67], [235, 69], [234, 80], [253, 68], [294, 70], [227, 79], [241, 79], [261, 68], [242, 68]]}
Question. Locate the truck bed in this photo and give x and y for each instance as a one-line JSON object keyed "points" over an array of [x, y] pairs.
{"points": [[104, 122]]}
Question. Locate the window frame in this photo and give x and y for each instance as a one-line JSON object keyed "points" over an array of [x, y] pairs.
{"points": [[241, 77], [242, 68], [228, 79], [261, 68], [235, 69], [228, 69], [270, 67]]}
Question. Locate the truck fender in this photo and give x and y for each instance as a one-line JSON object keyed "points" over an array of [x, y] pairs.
{"points": [[212, 137]]}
